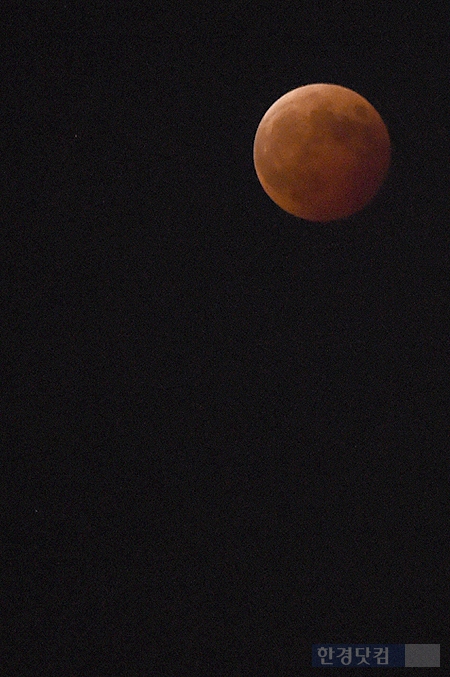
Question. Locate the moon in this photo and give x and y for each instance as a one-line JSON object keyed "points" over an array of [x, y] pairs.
{"points": [[321, 152]]}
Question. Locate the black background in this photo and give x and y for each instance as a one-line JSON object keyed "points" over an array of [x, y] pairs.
{"points": [[226, 429]]}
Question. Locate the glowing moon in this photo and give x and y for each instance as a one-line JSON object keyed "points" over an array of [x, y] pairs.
{"points": [[321, 152]]}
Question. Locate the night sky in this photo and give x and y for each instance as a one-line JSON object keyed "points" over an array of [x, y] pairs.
{"points": [[226, 430]]}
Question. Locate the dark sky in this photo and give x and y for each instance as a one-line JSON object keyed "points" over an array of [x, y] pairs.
{"points": [[226, 429]]}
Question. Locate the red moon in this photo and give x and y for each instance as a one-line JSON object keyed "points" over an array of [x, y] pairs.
{"points": [[321, 152]]}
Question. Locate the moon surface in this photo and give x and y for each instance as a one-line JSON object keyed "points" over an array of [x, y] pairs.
{"points": [[321, 152]]}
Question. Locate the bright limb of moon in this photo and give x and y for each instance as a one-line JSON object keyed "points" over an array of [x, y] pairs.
{"points": [[321, 152]]}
